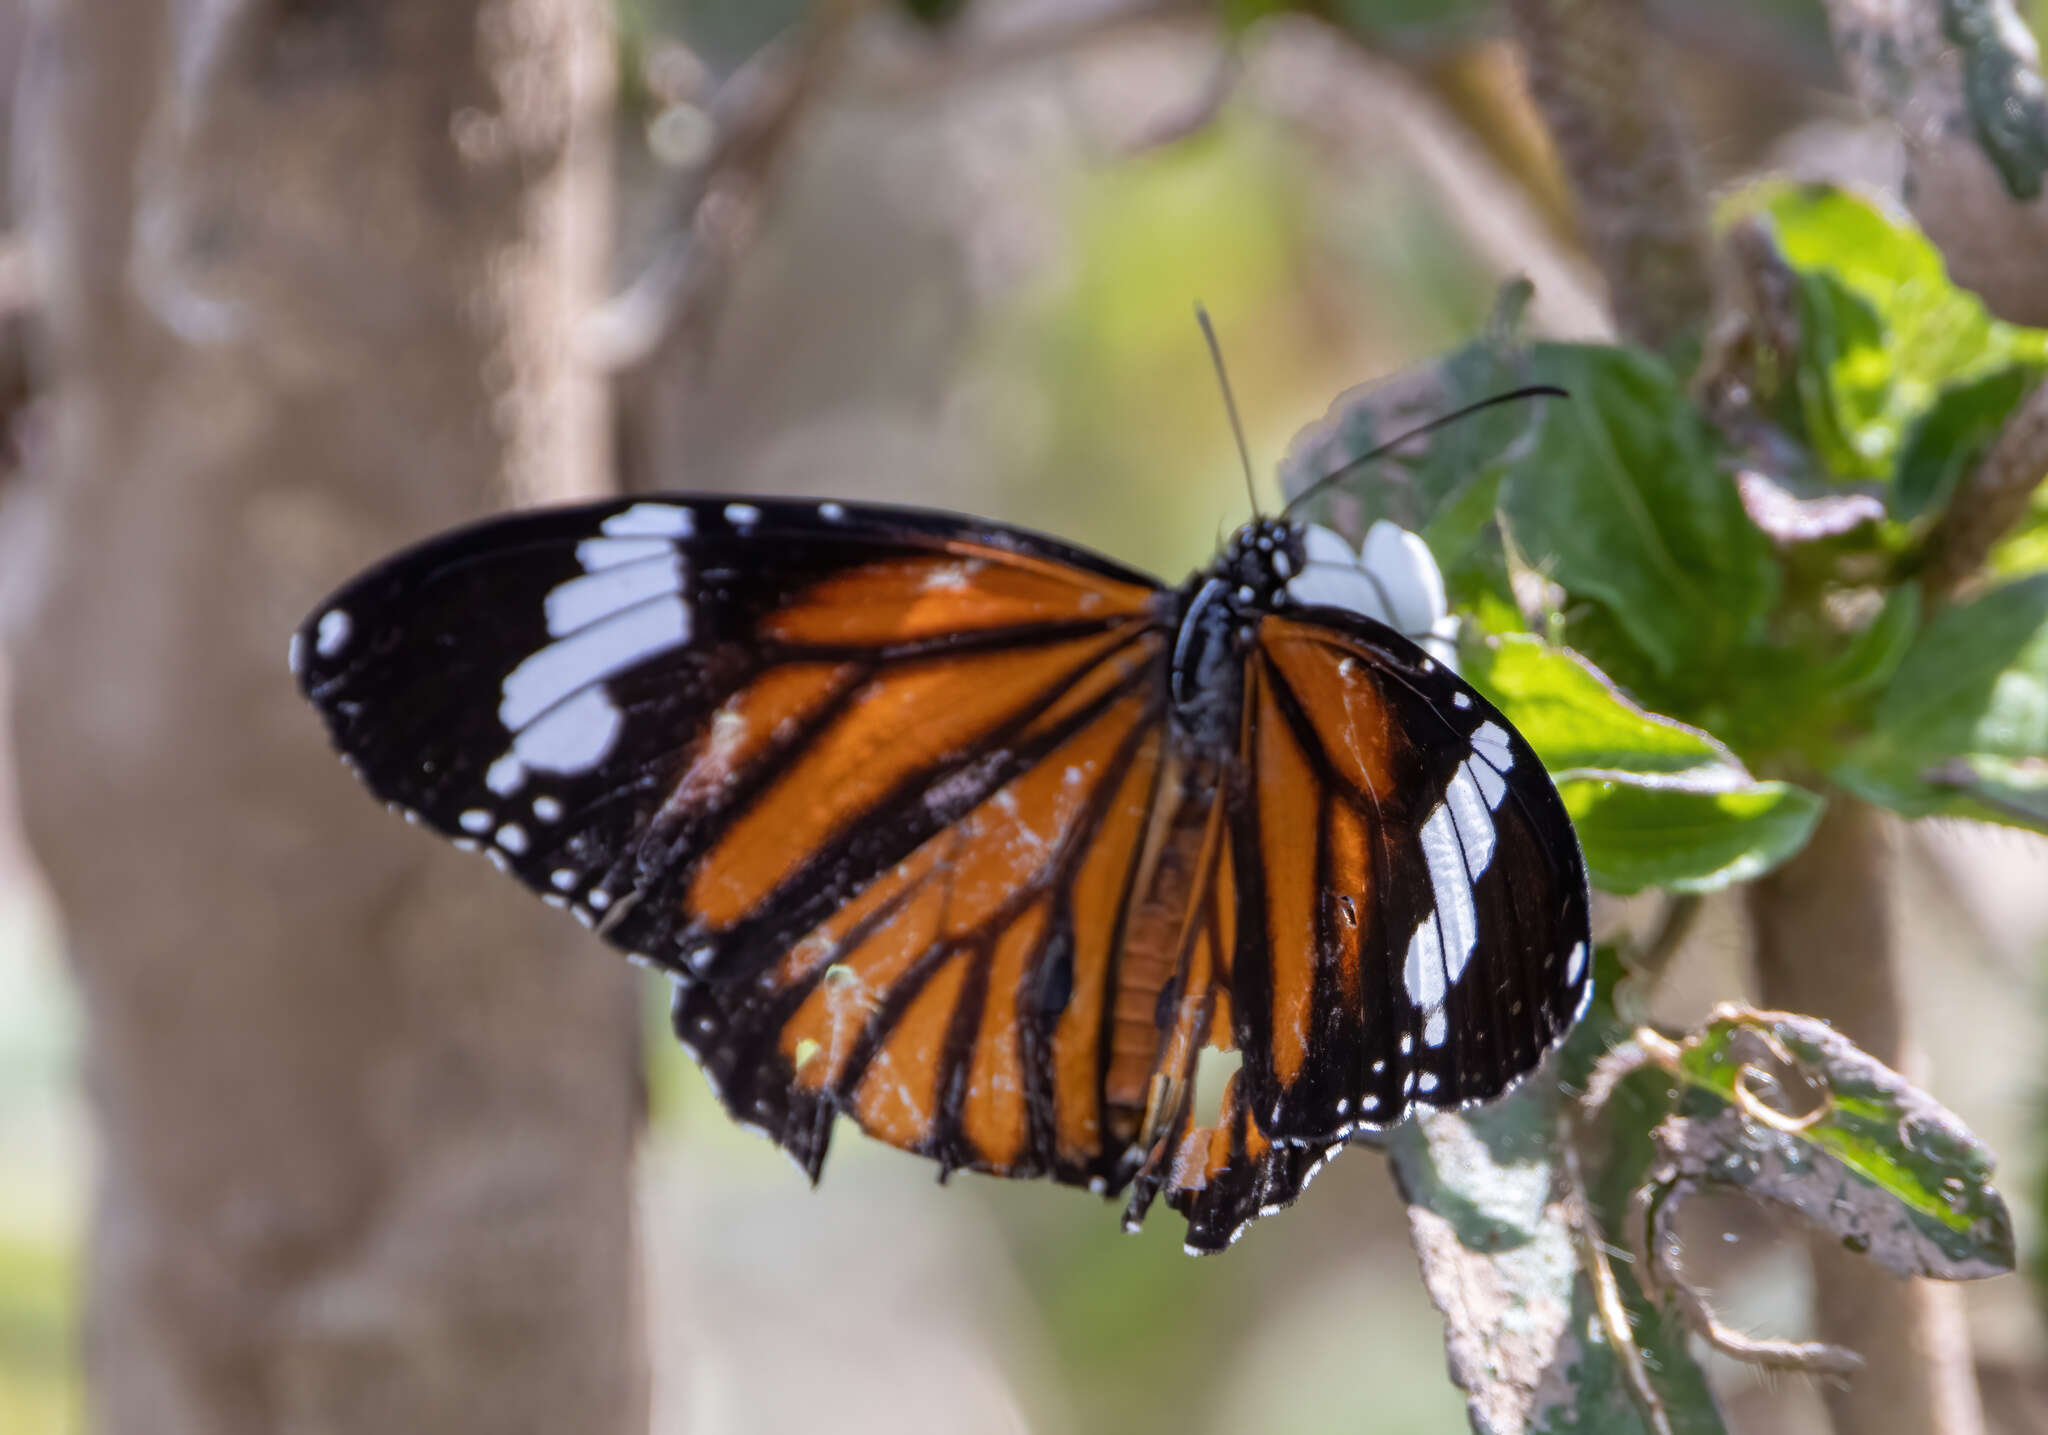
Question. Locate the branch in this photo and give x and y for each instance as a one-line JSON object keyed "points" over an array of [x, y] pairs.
{"points": [[1992, 501], [1961, 81], [677, 296], [1596, 73]]}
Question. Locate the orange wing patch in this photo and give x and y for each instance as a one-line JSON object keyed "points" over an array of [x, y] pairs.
{"points": [[1288, 798], [966, 919], [962, 590], [901, 722], [1338, 694]]}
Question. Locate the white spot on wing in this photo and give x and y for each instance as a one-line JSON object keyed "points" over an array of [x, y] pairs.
{"points": [[1460, 700], [335, 627], [507, 775], [475, 820], [664, 519], [832, 513], [577, 604], [566, 666], [1575, 964], [1473, 815], [1435, 1028], [512, 837], [574, 737], [1426, 1082], [564, 879], [1457, 916], [547, 809], [742, 515], [598, 554], [1490, 741]]}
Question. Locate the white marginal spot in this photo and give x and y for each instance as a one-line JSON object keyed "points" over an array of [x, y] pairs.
{"points": [[476, 820], [1427, 1082], [1460, 700], [465, 844], [1407, 1043], [578, 603], [742, 515], [1575, 964], [547, 809], [296, 654], [512, 837], [662, 519], [566, 667], [1378, 1067], [555, 900], [599, 899], [832, 512], [1490, 741], [335, 627], [564, 879], [1435, 1028]]}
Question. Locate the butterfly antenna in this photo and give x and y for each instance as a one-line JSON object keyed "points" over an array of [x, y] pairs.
{"points": [[1244, 452], [1512, 396]]}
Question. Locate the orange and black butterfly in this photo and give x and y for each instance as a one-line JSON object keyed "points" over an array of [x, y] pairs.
{"points": [[980, 839]]}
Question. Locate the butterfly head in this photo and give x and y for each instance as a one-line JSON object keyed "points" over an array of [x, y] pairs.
{"points": [[1261, 559]]}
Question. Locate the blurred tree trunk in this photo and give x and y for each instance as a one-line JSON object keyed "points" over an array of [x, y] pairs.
{"points": [[366, 1120]]}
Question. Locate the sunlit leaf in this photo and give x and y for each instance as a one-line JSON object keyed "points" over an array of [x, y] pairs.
{"points": [[1861, 1152], [1618, 497], [1637, 836], [1575, 718], [1950, 437], [1885, 330], [1973, 686]]}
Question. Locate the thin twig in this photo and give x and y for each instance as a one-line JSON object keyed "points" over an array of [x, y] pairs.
{"points": [[1593, 1259], [677, 295]]}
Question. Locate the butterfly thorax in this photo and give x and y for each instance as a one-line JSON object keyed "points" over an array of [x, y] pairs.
{"points": [[1218, 620]]}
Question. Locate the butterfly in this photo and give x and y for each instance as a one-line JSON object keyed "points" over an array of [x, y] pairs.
{"points": [[981, 839]]}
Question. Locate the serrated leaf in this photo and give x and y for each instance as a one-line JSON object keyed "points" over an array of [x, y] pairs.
{"points": [[1903, 1180], [1576, 718], [1488, 1219], [1947, 440], [1973, 686], [1637, 836], [1619, 498]]}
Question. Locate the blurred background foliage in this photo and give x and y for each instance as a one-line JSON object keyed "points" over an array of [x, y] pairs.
{"points": [[1004, 325]]}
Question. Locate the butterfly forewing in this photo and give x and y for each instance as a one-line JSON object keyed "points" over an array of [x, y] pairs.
{"points": [[874, 782], [1415, 910]]}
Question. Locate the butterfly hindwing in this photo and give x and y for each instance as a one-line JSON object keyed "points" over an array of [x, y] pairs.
{"points": [[1415, 907]]}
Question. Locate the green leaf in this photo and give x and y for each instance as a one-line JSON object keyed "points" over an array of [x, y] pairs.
{"points": [[1902, 1179], [2002, 89], [1860, 389], [1618, 498], [1500, 1259], [1575, 718], [1843, 378], [1947, 440], [1973, 686], [1638, 836]]}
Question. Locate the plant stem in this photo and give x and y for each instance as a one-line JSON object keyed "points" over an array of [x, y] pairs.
{"points": [[1826, 943], [1595, 72]]}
